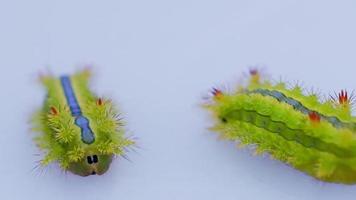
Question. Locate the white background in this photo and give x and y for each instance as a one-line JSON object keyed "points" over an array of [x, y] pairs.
{"points": [[157, 59]]}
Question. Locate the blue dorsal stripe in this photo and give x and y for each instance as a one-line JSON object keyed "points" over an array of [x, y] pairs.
{"points": [[70, 96], [81, 121], [337, 123]]}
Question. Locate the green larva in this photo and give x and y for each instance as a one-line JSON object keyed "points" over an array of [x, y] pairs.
{"points": [[318, 138], [77, 129]]}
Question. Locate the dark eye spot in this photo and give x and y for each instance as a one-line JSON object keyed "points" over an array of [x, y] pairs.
{"points": [[89, 160], [95, 158], [224, 120]]}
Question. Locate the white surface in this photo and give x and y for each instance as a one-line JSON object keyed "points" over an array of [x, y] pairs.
{"points": [[157, 59]]}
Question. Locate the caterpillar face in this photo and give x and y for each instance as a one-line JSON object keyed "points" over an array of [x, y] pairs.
{"points": [[77, 129], [316, 137], [91, 165]]}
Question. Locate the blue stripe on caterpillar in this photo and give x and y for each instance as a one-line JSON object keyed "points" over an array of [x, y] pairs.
{"points": [[82, 122], [337, 123]]}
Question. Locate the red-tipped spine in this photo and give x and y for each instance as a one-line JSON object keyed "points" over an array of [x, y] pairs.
{"points": [[99, 102], [53, 110], [314, 117], [217, 93], [343, 98]]}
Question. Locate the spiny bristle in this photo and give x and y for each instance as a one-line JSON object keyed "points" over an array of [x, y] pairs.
{"points": [[216, 92], [255, 76], [76, 154], [253, 71]]}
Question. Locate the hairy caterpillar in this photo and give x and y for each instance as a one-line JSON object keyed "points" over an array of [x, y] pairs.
{"points": [[318, 138], [77, 129]]}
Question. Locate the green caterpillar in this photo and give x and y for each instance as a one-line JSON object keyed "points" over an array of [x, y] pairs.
{"points": [[318, 138], [77, 129]]}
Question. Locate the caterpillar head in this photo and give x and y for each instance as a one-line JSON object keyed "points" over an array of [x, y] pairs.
{"points": [[91, 164]]}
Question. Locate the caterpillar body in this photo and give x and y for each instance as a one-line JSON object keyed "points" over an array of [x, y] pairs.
{"points": [[77, 129], [318, 138]]}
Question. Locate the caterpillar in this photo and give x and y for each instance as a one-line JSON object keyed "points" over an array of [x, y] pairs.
{"points": [[317, 137], [77, 129]]}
